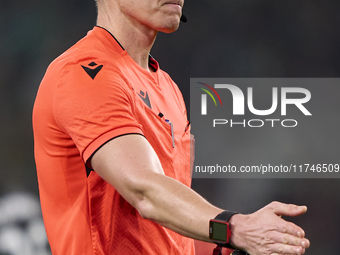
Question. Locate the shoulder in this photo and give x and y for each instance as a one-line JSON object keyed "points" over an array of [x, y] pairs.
{"points": [[87, 58], [86, 75]]}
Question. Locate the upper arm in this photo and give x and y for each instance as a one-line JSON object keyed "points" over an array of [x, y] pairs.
{"points": [[92, 111], [128, 163]]}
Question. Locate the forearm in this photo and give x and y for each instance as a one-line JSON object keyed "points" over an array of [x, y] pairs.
{"points": [[175, 206]]}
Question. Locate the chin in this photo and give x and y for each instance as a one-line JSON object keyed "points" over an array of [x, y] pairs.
{"points": [[169, 27], [169, 31]]}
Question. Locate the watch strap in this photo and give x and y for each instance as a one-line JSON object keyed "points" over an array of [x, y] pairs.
{"points": [[225, 215]]}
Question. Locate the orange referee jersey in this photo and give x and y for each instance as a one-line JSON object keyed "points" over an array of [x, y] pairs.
{"points": [[92, 93]]}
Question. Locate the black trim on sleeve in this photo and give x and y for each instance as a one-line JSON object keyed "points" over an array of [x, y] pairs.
{"points": [[88, 170], [88, 167]]}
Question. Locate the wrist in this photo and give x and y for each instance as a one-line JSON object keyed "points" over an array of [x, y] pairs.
{"points": [[236, 222]]}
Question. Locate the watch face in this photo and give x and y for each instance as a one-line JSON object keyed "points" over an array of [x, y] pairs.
{"points": [[218, 231]]}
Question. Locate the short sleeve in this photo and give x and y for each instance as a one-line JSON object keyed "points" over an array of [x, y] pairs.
{"points": [[95, 110]]}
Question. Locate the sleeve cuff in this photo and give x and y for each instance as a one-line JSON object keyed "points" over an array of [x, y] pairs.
{"points": [[104, 138]]}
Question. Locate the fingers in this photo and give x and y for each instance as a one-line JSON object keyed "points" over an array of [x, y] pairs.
{"points": [[287, 249], [289, 233], [289, 228], [287, 239], [287, 209], [276, 242]]}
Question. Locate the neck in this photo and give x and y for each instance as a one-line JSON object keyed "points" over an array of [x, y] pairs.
{"points": [[135, 38]]}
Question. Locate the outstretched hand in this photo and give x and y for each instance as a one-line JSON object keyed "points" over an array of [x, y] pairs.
{"points": [[264, 232]]}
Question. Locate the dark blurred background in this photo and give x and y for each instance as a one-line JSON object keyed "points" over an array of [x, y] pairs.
{"points": [[223, 38]]}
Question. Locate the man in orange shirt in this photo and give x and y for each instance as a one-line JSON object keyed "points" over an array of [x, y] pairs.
{"points": [[112, 149]]}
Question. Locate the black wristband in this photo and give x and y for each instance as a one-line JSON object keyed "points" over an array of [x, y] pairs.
{"points": [[225, 215]]}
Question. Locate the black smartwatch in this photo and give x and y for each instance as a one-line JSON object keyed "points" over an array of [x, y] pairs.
{"points": [[219, 229]]}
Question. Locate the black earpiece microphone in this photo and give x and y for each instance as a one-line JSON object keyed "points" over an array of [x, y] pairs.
{"points": [[184, 18]]}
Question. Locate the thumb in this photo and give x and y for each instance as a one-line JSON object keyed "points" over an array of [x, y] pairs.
{"points": [[287, 209]]}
